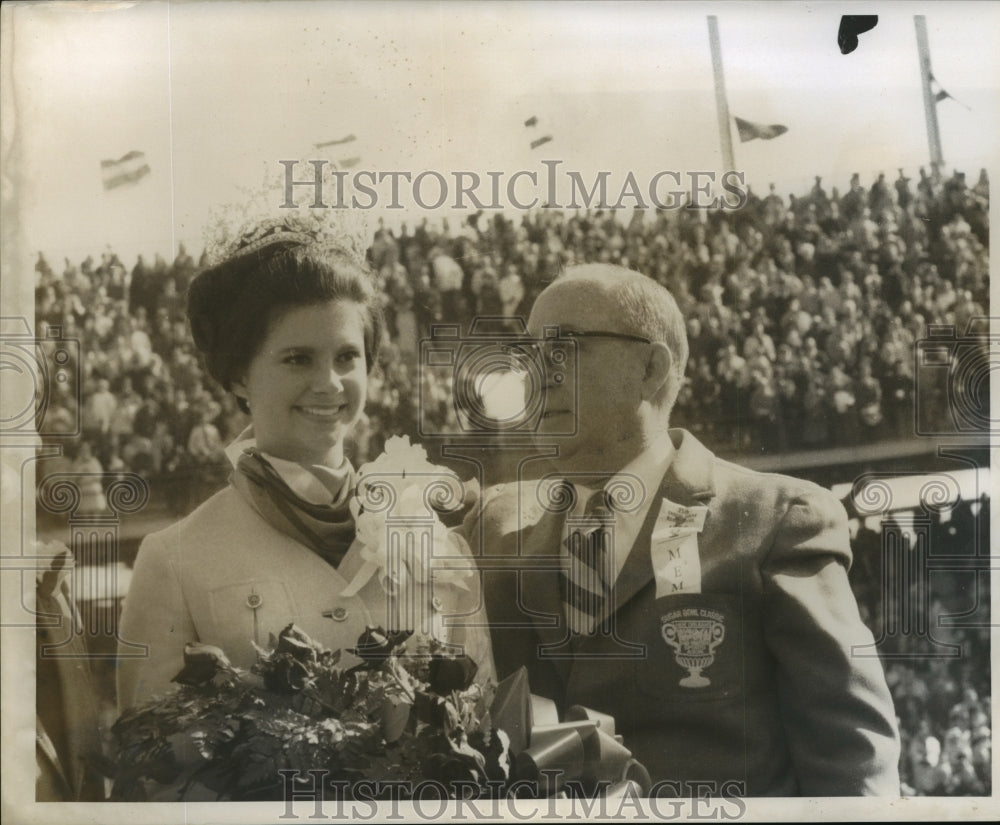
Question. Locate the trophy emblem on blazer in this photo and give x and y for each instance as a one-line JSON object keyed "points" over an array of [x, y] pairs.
{"points": [[694, 641]]}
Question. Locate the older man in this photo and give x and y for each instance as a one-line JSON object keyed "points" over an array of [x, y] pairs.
{"points": [[706, 607]]}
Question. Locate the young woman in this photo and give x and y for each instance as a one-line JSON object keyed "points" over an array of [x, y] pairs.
{"points": [[291, 327]]}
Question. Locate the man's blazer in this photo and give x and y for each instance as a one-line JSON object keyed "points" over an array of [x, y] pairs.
{"points": [[766, 678]]}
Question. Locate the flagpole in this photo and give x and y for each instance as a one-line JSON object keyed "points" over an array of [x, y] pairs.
{"points": [[930, 104], [721, 105]]}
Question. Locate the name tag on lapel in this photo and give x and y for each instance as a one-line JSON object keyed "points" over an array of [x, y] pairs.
{"points": [[674, 549]]}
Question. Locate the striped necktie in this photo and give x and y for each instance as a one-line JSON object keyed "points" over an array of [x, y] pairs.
{"points": [[588, 579]]}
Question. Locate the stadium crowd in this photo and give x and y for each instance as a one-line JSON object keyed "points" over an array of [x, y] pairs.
{"points": [[803, 319], [933, 630]]}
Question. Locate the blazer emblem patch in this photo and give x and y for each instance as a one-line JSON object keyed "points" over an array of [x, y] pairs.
{"points": [[694, 633]]}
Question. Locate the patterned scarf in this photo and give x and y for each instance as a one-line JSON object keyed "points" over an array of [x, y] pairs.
{"points": [[327, 529]]}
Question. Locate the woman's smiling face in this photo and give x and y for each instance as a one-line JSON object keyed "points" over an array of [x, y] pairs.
{"points": [[307, 383]]}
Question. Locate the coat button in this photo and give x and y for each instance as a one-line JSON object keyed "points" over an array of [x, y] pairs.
{"points": [[254, 601], [338, 614]]}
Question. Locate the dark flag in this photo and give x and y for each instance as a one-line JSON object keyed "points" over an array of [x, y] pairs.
{"points": [[129, 168], [339, 142], [750, 131], [851, 25], [942, 94], [531, 121], [540, 141]]}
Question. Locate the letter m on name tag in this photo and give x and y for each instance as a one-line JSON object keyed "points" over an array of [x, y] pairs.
{"points": [[674, 549], [676, 564]]}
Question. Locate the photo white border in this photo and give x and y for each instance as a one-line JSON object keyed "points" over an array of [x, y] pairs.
{"points": [[17, 644]]}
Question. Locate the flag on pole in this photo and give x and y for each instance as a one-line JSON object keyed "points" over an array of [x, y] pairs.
{"points": [[338, 142], [943, 94], [750, 131], [129, 168]]}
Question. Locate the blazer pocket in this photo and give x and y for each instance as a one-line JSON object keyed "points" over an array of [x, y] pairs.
{"points": [[694, 649], [249, 611]]}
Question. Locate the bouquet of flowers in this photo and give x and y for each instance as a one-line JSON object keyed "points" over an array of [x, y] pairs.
{"points": [[408, 719], [408, 713], [401, 714]]}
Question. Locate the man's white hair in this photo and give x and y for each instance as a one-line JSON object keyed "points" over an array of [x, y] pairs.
{"points": [[643, 307]]}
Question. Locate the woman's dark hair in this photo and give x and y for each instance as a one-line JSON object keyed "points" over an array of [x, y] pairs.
{"points": [[232, 305]]}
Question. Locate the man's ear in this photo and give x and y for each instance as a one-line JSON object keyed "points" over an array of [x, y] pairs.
{"points": [[658, 369]]}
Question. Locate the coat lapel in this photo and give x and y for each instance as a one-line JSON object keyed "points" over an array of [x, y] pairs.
{"points": [[688, 481], [541, 591], [542, 594]]}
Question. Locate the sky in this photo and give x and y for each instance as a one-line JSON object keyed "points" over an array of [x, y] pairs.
{"points": [[215, 94]]}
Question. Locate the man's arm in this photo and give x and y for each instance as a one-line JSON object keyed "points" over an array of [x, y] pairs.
{"points": [[839, 717]]}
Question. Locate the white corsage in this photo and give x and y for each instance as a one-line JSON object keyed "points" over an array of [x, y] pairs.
{"points": [[396, 509]]}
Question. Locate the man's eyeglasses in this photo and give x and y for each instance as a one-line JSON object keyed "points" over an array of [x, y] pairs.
{"points": [[533, 349], [622, 336]]}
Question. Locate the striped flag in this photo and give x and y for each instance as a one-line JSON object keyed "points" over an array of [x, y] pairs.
{"points": [[750, 131], [531, 123], [129, 168], [341, 163], [338, 142]]}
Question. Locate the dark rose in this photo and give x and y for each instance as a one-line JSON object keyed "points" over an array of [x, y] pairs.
{"points": [[286, 674], [447, 673], [296, 644], [375, 644], [201, 663]]}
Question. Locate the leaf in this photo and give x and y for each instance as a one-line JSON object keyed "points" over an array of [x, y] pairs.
{"points": [[304, 710], [217, 776], [258, 772]]}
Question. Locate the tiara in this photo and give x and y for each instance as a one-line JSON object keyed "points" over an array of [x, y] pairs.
{"points": [[257, 221], [270, 232]]}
